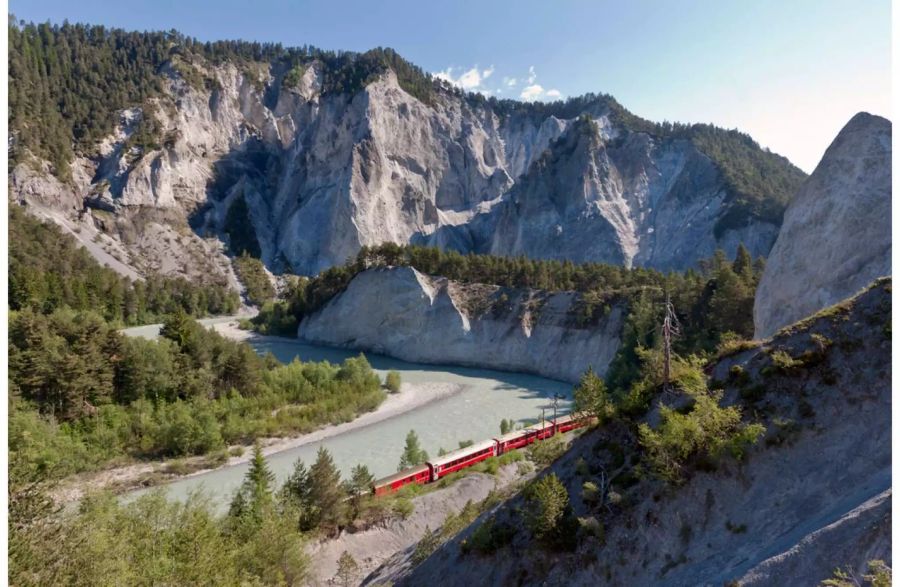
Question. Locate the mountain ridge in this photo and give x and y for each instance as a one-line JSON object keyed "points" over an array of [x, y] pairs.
{"points": [[330, 151]]}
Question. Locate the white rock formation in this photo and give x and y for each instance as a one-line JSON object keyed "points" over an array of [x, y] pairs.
{"points": [[404, 314], [323, 174], [836, 235]]}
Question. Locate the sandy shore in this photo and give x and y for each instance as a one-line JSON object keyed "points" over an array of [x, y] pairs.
{"points": [[134, 476]]}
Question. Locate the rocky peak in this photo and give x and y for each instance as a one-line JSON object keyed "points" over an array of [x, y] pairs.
{"points": [[836, 235]]}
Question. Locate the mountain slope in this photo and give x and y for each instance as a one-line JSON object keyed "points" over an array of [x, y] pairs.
{"points": [[813, 495], [836, 236], [303, 156]]}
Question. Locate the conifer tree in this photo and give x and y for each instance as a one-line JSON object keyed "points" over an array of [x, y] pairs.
{"points": [[326, 494], [412, 454]]}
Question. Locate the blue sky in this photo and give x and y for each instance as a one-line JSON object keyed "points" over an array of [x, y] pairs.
{"points": [[790, 73]]}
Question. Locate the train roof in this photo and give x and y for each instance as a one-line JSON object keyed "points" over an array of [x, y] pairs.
{"points": [[400, 475], [511, 435], [452, 456]]}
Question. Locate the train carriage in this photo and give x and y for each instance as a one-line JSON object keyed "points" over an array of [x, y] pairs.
{"points": [[420, 474], [462, 458], [512, 441], [569, 422]]}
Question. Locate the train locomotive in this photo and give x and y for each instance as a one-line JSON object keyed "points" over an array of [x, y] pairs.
{"points": [[439, 467]]}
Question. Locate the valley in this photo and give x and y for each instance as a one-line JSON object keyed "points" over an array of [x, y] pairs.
{"points": [[249, 281]]}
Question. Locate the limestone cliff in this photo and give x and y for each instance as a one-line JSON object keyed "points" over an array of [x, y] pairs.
{"points": [[404, 314], [836, 236], [325, 172]]}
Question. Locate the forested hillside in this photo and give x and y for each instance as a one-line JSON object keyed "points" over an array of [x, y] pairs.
{"points": [[49, 271]]}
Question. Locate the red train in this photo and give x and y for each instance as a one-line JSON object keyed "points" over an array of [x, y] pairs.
{"points": [[454, 461]]}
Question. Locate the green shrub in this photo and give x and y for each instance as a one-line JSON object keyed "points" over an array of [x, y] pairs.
{"points": [[392, 381], [489, 537], [546, 451], [590, 493], [547, 512], [707, 431], [592, 527]]}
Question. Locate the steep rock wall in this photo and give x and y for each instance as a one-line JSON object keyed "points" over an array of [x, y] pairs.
{"points": [[325, 173], [405, 314], [836, 235]]}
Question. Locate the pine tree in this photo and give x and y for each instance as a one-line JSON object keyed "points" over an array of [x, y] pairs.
{"points": [[413, 454], [590, 395], [254, 498], [326, 494], [348, 569], [360, 483], [743, 263]]}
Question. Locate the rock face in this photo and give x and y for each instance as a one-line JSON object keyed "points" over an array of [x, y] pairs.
{"points": [[405, 314], [836, 235], [813, 495], [324, 173]]}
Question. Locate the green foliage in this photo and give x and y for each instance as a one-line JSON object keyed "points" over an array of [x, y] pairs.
{"points": [[708, 430], [507, 426], [879, 575], [275, 318], [48, 271], [548, 514], [413, 454], [326, 494], [590, 493], [489, 537], [254, 498], [70, 81], [545, 452], [85, 395], [348, 570], [590, 396], [392, 381], [252, 274], [149, 541]]}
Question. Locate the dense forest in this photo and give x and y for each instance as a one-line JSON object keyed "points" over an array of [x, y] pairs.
{"points": [[49, 271]]}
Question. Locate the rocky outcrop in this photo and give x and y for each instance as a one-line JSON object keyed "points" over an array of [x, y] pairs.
{"points": [[324, 173], [414, 317], [813, 495], [836, 235]]}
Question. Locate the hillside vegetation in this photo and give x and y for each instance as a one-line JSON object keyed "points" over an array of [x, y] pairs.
{"points": [[83, 396], [49, 271], [738, 475]]}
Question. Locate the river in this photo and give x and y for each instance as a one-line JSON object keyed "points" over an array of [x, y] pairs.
{"points": [[473, 414]]}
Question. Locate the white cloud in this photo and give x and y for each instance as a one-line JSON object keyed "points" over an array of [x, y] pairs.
{"points": [[510, 81], [469, 79], [532, 92], [532, 76], [554, 93]]}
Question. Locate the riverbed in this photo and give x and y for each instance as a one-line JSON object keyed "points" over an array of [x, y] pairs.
{"points": [[482, 398]]}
